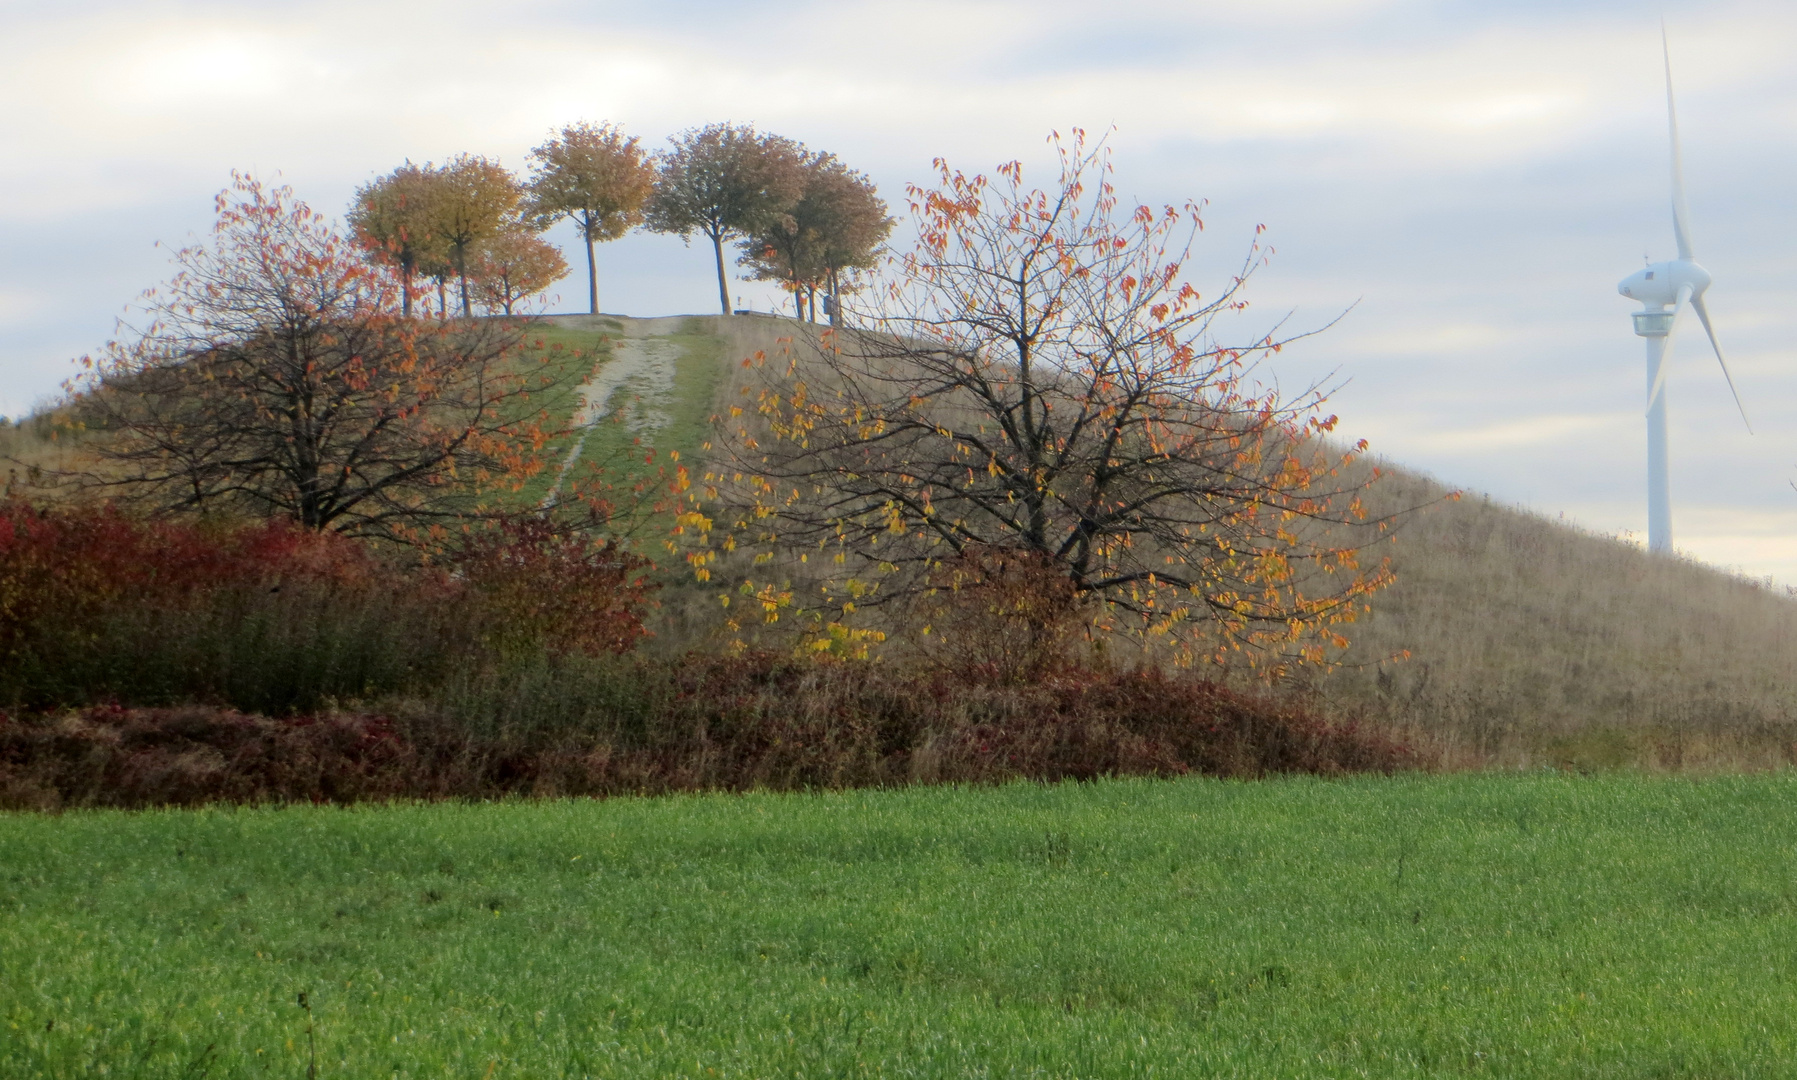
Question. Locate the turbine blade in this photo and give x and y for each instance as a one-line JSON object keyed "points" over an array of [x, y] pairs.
{"points": [[1703, 316], [1681, 217], [1659, 379]]}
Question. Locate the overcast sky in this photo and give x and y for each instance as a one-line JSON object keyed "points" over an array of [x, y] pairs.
{"points": [[1473, 177]]}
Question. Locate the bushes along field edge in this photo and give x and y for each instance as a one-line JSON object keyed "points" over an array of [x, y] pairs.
{"points": [[755, 722]]}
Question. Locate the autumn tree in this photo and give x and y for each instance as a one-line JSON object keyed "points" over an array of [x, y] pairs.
{"points": [[726, 182], [596, 177], [513, 265], [391, 218], [837, 224], [278, 376], [472, 199], [1044, 392]]}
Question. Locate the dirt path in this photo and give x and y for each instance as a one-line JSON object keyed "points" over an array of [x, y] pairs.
{"points": [[638, 380]]}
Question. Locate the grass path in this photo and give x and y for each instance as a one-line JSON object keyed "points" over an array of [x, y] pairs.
{"points": [[1473, 925], [650, 385]]}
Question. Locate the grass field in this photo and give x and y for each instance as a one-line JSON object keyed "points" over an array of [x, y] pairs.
{"points": [[1424, 926]]}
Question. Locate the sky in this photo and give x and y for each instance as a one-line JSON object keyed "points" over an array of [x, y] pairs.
{"points": [[1467, 181]]}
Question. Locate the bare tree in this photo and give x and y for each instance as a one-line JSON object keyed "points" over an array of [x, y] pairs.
{"points": [[278, 376], [1041, 380], [725, 182], [596, 177]]}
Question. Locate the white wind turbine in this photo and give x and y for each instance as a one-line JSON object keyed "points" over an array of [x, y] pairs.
{"points": [[1676, 284]]}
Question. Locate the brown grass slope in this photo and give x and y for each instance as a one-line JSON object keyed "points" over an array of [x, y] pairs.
{"points": [[1535, 643]]}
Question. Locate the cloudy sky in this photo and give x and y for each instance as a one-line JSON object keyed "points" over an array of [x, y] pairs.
{"points": [[1471, 178]]}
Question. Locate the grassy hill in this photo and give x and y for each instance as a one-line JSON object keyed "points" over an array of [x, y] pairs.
{"points": [[1530, 642]]}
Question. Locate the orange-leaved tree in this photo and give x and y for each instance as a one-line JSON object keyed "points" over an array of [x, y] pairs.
{"points": [[1040, 378], [513, 265], [278, 376], [472, 199], [597, 177], [392, 218]]}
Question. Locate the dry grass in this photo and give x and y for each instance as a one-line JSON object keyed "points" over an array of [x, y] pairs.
{"points": [[1533, 643], [35, 448]]}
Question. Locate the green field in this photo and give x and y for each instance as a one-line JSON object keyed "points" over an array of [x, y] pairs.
{"points": [[1421, 926]]}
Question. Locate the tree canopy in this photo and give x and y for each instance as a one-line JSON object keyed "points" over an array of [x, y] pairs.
{"points": [[725, 182], [512, 265], [597, 177], [472, 199], [837, 225], [392, 218]]}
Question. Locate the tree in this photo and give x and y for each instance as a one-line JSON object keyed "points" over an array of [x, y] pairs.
{"points": [[1044, 389], [392, 218], [471, 199], [725, 182], [513, 265], [279, 376], [837, 224], [597, 178], [857, 226]]}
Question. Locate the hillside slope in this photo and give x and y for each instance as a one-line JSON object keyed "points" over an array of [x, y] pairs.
{"points": [[1530, 642]]}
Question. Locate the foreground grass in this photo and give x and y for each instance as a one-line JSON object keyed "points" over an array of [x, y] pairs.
{"points": [[1481, 925]]}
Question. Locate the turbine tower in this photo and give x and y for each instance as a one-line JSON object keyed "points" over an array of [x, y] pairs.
{"points": [[1673, 284]]}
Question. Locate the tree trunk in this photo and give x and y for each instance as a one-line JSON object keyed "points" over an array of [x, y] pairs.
{"points": [[461, 270], [586, 230], [811, 303], [442, 298], [405, 291], [835, 299], [798, 302], [717, 245]]}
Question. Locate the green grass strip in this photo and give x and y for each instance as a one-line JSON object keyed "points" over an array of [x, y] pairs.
{"points": [[1508, 926]]}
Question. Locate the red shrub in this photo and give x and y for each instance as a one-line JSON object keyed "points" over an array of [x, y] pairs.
{"points": [[99, 605], [534, 586], [61, 569]]}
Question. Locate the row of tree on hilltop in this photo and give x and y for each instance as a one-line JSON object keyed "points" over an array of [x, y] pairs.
{"points": [[800, 217]]}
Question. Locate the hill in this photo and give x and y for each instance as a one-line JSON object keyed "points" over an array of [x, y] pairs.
{"points": [[1530, 642]]}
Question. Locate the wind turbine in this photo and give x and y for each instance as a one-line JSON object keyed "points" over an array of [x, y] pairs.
{"points": [[1675, 283]]}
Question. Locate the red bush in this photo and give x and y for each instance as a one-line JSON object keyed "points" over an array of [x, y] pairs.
{"points": [[97, 605], [62, 569], [536, 586]]}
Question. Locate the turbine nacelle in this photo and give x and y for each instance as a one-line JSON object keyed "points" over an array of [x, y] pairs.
{"points": [[1658, 285]]}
